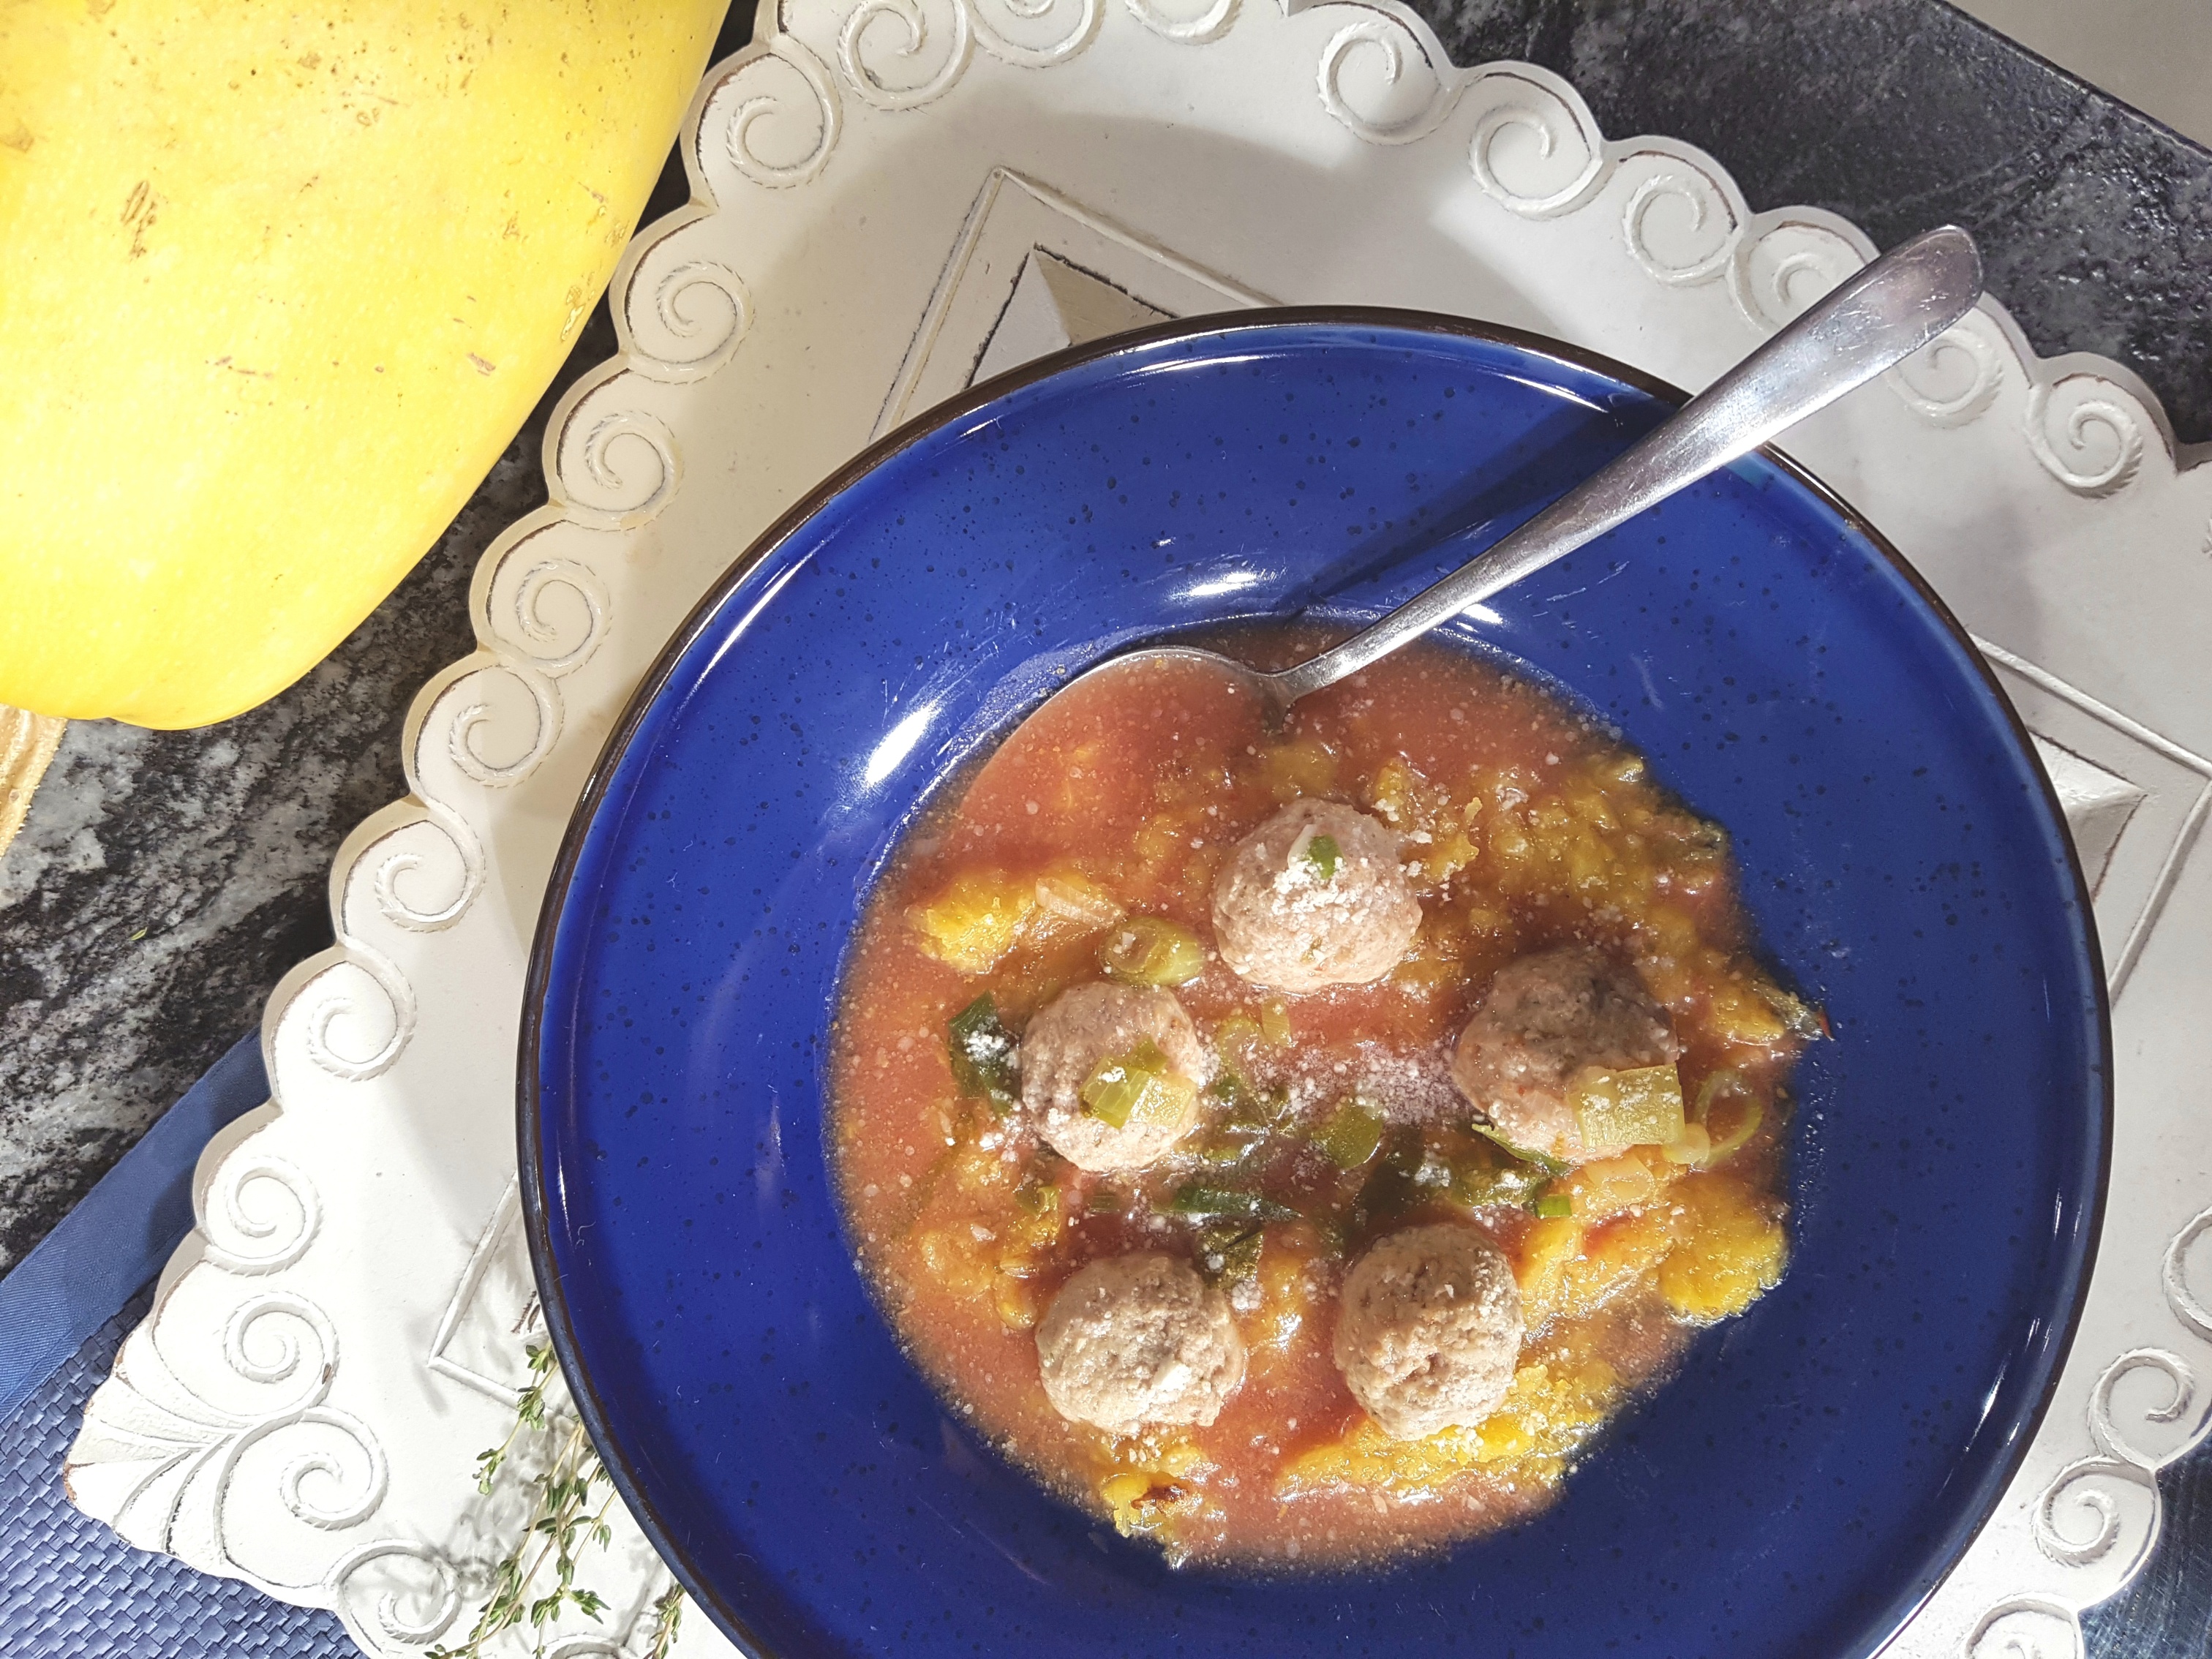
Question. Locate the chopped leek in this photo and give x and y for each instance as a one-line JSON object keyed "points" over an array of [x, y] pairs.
{"points": [[1227, 1152], [1549, 1165], [1229, 1252], [1800, 1017], [984, 1054], [1152, 950], [1237, 1031], [1142, 1082], [1252, 1114], [1393, 1184], [1750, 1112], [1230, 1088], [1324, 853], [1530, 1180], [1197, 1197], [1275, 1022], [1639, 1107], [1494, 1181], [1073, 896], [1351, 1136], [1104, 1201]]}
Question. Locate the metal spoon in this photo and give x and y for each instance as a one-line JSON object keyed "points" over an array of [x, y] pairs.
{"points": [[1873, 321]]}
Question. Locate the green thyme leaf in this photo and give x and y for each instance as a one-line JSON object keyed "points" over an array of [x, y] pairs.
{"points": [[1322, 853]]}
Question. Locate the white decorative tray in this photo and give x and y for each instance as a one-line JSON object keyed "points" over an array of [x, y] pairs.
{"points": [[890, 198]]}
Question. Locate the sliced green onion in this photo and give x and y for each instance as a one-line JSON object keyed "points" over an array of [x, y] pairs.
{"points": [[1152, 950], [1641, 1106], [1550, 1206], [1322, 853], [1351, 1135], [982, 1052], [1104, 1201], [1274, 1022], [1197, 1197]]}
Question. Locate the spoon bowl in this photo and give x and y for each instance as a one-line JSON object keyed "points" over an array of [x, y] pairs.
{"points": [[1864, 326]]}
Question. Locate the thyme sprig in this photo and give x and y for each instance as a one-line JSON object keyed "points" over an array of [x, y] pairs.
{"points": [[564, 1519], [667, 1614]]}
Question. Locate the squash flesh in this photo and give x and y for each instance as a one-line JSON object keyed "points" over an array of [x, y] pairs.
{"points": [[282, 284]]}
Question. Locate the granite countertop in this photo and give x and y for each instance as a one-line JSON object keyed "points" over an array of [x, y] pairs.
{"points": [[165, 881]]}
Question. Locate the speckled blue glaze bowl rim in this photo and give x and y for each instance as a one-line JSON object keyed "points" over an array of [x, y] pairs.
{"points": [[592, 1411]]}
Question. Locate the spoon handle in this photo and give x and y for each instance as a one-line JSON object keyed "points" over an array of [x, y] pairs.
{"points": [[1877, 318]]}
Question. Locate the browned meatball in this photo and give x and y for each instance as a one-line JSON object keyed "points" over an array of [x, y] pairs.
{"points": [[1139, 1338], [1290, 920], [1544, 1019], [1064, 1045], [1429, 1331]]}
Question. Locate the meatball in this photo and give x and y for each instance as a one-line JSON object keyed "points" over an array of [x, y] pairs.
{"points": [[1139, 1338], [1064, 1045], [1544, 1019], [1286, 919], [1429, 1330]]}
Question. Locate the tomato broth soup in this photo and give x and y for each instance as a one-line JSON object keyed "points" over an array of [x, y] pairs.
{"points": [[1294, 1146]]}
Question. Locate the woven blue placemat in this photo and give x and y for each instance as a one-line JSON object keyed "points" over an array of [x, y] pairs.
{"points": [[68, 1585]]}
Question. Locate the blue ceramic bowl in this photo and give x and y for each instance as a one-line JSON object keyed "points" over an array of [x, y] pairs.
{"points": [[1817, 1465]]}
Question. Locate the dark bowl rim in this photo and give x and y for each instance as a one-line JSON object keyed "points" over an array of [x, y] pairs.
{"points": [[538, 1225]]}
